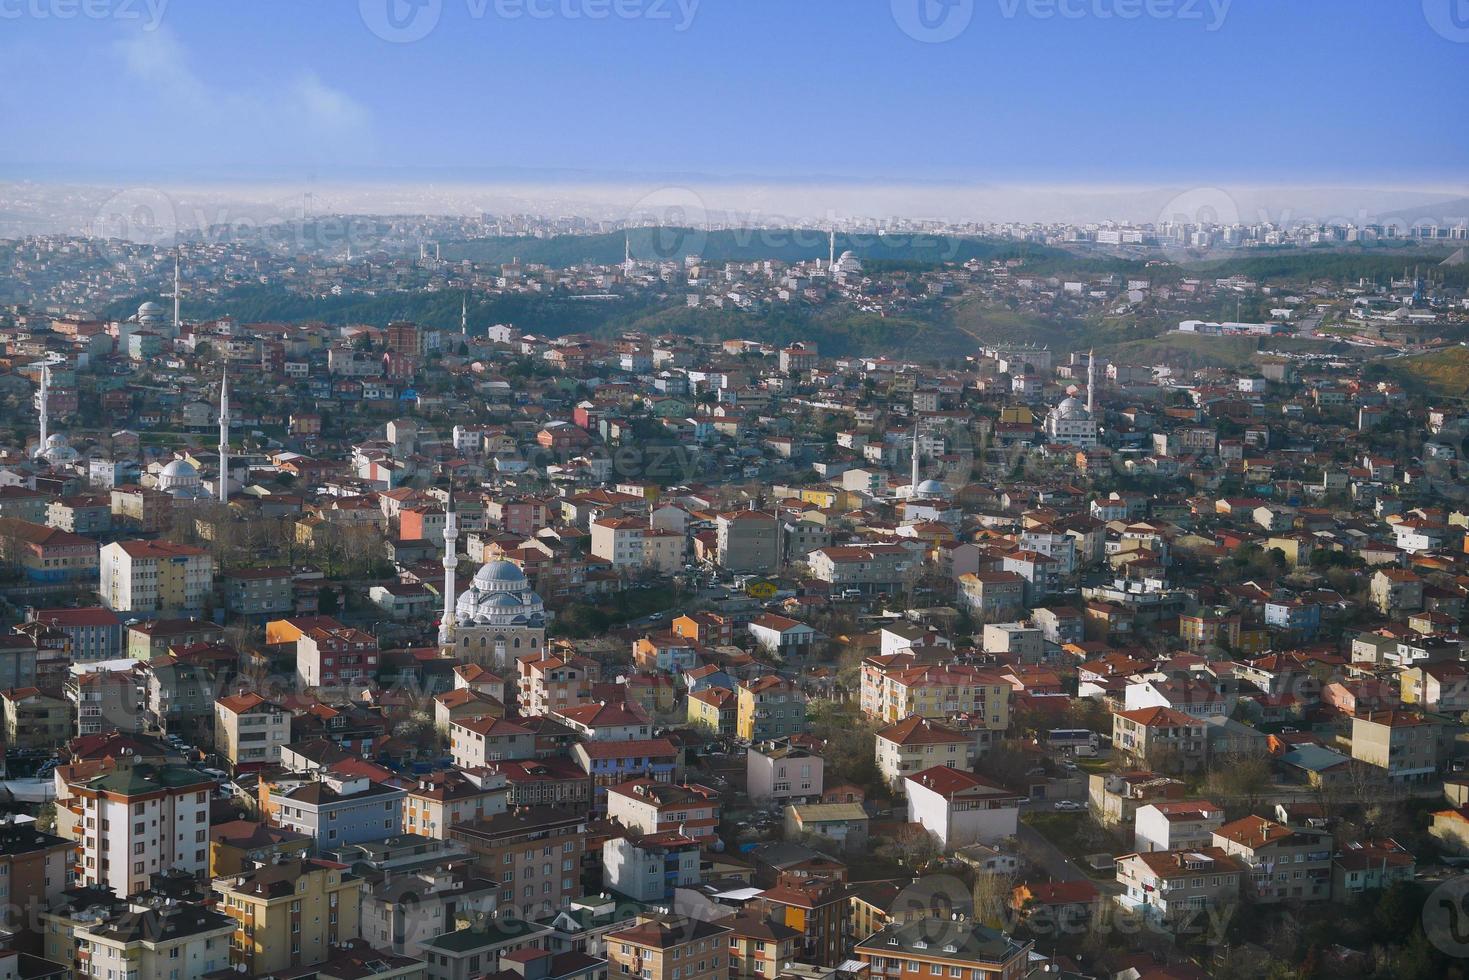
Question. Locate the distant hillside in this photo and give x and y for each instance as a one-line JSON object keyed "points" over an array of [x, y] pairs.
{"points": [[1446, 372], [742, 245], [553, 315], [1184, 350]]}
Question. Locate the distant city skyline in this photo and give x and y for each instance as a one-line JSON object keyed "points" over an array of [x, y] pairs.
{"points": [[1050, 94]]}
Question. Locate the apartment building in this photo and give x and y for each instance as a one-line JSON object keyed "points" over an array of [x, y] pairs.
{"points": [[933, 947], [438, 801], [331, 655], [336, 808], [863, 569], [249, 731], [535, 853], [289, 913], [155, 942], [1403, 744], [1160, 738], [1283, 863], [477, 742], [758, 948], [652, 807], [155, 576], [1179, 889], [1173, 825], [747, 541], [663, 947], [139, 819], [777, 772], [769, 707], [918, 743], [937, 691]]}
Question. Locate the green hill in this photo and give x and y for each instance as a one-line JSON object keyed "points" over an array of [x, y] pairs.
{"points": [[1445, 372]]}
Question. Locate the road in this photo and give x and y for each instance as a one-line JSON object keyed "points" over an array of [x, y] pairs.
{"points": [[1047, 856]]}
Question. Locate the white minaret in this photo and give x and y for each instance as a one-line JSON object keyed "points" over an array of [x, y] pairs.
{"points": [[175, 294], [1091, 383], [627, 266], [464, 315], [913, 484], [451, 562], [45, 407], [224, 435], [831, 250]]}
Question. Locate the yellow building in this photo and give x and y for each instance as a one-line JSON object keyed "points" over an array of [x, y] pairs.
{"points": [[147, 576], [234, 846], [769, 707], [667, 948], [714, 709], [936, 691], [290, 914]]}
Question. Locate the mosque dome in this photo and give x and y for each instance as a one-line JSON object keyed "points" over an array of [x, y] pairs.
{"points": [[499, 595]]}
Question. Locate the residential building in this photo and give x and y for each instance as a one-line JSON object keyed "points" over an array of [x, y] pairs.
{"points": [[337, 808], [777, 772], [289, 913], [1283, 863], [155, 576], [932, 947], [138, 819], [249, 731], [769, 707], [652, 807], [650, 867], [1179, 889], [960, 808], [536, 853]]}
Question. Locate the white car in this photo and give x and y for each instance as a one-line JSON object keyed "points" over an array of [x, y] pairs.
{"points": [[1069, 805]]}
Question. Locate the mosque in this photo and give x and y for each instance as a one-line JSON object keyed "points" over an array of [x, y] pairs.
{"points": [[499, 618], [1072, 422]]}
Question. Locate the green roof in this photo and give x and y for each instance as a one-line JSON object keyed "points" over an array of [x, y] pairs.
{"points": [[486, 935], [136, 780]]}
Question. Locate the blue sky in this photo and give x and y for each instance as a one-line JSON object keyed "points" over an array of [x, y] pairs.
{"points": [[1275, 91]]}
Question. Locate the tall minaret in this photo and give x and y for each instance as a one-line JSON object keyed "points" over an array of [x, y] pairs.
{"points": [[175, 294], [913, 484], [451, 562], [45, 406], [224, 435], [464, 315], [831, 250], [627, 266], [1091, 383]]}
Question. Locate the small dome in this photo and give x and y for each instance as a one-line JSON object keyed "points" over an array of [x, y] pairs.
{"points": [[179, 468], [500, 576], [931, 488]]}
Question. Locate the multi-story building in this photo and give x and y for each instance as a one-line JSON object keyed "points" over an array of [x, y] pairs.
{"points": [[438, 801], [864, 569], [249, 731], [47, 554], [714, 709], [651, 807], [336, 808], [992, 595], [155, 576], [34, 870], [747, 541], [35, 719], [139, 819], [536, 854], [777, 772], [669, 948], [758, 948], [1284, 863], [769, 707], [289, 912], [554, 681], [256, 593], [403, 911], [936, 691], [1403, 744], [1179, 889], [476, 742], [93, 634], [960, 808], [1173, 825], [917, 743], [650, 867], [155, 942], [334, 655], [932, 947], [1160, 738]]}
